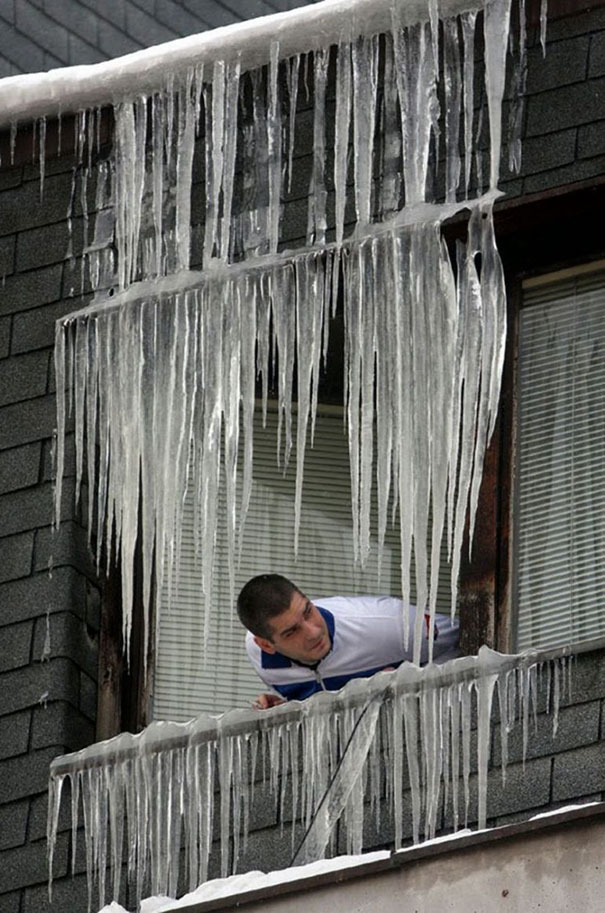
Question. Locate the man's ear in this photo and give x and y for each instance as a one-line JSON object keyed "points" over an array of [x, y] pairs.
{"points": [[267, 645]]}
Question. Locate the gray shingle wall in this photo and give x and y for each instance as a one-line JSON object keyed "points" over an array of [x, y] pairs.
{"points": [[564, 116], [43, 34], [47, 706], [565, 142]]}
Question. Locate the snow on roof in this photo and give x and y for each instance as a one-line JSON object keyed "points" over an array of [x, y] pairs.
{"points": [[70, 89], [238, 886]]}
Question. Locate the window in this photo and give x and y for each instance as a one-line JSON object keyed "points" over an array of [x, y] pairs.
{"points": [[559, 561], [186, 683]]}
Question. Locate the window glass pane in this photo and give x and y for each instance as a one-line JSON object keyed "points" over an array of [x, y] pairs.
{"points": [[560, 491]]}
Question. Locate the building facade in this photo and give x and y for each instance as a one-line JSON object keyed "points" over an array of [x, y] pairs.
{"points": [[60, 698]]}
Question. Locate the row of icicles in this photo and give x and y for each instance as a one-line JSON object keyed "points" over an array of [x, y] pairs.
{"points": [[178, 795]]}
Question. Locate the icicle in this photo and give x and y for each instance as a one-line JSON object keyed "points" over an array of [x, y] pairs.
{"points": [[364, 53], [284, 322], [421, 412], [130, 132], [187, 108], [386, 381], [504, 722], [54, 805], [471, 328], [416, 83], [42, 153], [493, 296], [341, 138], [543, 22], [317, 219], [411, 745], [495, 29], [485, 690], [390, 183], [274, 149], [231, 127], [353, 333], [453, 100], [292, 72], [367, 286], [80, 387], [468, 21], [157, 180], [455, 723], [13, 140], [248, 376], [465, 717], [517, 93], [61, 380], [309, 313]]}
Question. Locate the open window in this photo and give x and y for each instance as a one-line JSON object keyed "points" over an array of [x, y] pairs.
{"points": [[190, 677]]}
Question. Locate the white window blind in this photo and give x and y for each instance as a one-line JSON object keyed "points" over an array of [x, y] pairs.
{"points": [[185, 683], [560, 479]]}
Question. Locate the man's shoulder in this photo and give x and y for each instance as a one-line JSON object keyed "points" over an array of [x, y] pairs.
{"points": [[345, 605]]}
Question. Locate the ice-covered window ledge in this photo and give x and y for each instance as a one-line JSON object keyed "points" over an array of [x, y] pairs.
{"points": [[161, 790]]}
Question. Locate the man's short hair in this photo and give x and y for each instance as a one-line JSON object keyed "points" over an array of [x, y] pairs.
{"points": [[261, 599]]}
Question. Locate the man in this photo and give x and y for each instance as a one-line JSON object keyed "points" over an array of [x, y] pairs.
{"points": [[299, 647]]}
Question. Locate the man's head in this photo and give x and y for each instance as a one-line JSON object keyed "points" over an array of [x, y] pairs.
{"points": [[282, 619]]}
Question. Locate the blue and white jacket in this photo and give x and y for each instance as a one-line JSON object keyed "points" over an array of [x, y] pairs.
{"points": [[366, 634]]}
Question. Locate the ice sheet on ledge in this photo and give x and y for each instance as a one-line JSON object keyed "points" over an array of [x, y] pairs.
{"points": [[407, 679]]}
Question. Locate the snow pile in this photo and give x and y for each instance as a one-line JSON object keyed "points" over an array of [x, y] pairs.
{"points": [[159, 375], [167, 792]]}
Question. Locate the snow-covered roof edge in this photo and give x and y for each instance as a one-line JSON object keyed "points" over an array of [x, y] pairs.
{"points": [[67, 90], [236, 890]]}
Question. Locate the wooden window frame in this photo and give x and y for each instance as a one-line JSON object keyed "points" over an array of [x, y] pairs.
{"points": [[536, 234]]}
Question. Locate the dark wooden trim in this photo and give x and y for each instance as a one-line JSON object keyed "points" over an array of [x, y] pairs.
{"points": [[477, 586], [503, 604], [111, 659]]}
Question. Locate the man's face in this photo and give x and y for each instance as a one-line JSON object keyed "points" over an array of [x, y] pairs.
{"points": [[299, 632]]}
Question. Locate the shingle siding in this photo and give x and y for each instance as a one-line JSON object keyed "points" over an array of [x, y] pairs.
{"points": [[47, 704], [43, 34]]}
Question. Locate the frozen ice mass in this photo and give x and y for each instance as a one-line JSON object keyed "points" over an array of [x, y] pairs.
{"points": [[160, 378]]}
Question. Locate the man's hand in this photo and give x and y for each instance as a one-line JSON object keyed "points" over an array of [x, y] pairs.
{"points": [[264, 701]]}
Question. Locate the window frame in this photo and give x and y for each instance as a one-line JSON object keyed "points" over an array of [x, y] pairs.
{"points": [[538, 234]]}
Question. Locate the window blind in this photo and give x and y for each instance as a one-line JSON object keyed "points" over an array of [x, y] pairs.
{"points": [[187, 681], [559, 556]]}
